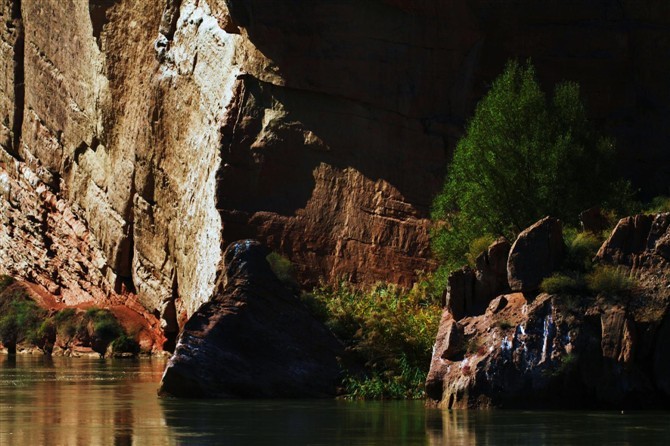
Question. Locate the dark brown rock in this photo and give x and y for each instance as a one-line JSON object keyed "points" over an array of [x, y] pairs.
{"points": [[658, 241], [449, 345], [491, 275], [659, 229], [662, 358], [593, 220], [628, 240], [470, 291], [662, 247], [618, 336], [537, 252], [254, 339], [450, 338], [460, 286], [498, 304]]}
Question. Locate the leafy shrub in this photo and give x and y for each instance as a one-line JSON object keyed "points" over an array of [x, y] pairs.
{"points": [[568, 362], [523, 157], [610, 281], [64, 315], [66, 325], [389, 330], [560, 283], [581, 251], [658, 205], [5, 281], [108, 329], [125, 344], [504, 324], [282, 268], [20, 320], [404, 383], [478, 246], [44, 336], [105, 326]]}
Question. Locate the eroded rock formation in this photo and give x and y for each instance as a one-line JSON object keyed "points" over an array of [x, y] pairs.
{"points": [[254, 339], [568, 350], [170, 128], [469, 291]]}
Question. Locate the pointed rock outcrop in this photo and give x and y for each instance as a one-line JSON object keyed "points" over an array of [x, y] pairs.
{"points": [[253, 339]]}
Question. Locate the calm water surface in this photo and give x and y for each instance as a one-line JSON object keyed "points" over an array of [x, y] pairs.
{"points": [[75, 401]]}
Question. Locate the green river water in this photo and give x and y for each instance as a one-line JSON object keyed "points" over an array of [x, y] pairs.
{"points": [[86, 401]]}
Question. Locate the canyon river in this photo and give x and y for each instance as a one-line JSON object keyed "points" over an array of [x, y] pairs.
{"points": [[90, 401]]}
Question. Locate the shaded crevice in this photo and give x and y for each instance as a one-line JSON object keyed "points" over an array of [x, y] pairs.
{"points": [[170, 17], [46, 234], [171, 330], [125, 267], [126, 253], [19, 77], [97, 10], [228, 133], [241, 12]]}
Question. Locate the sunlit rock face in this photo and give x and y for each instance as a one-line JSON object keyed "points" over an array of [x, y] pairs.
{"points": [[321, 128]]}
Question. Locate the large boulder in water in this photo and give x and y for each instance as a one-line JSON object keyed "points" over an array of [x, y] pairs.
{"points": [[253, 339]]}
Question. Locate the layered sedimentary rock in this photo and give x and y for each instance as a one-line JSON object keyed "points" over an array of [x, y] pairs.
{"points": [[253, 339], [322, 128], [573, 349]]}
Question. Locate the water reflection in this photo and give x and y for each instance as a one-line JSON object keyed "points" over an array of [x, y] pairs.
{"points": [[63, 401], [295, 422], [460, 427], [77, 401]]}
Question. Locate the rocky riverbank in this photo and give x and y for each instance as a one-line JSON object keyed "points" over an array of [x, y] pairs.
{"points": [[520, 347], [34, 321]]}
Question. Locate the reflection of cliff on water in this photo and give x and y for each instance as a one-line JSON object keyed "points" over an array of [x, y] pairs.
{"points": [[64, 401], [538, 428], [252, 422]]}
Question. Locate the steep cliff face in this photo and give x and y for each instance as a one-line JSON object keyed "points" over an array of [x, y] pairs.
{"points": [[322, 128]]}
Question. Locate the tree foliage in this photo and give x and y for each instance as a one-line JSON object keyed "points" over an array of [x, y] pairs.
{"points": [[524, 156], [21, 319]]}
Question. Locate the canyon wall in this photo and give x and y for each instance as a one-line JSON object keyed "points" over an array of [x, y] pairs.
{"points": [[171, 128]]}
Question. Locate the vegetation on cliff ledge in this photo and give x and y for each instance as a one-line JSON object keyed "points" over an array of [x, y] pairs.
{"points": [[524, 156]]}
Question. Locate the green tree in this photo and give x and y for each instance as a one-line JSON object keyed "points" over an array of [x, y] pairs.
{"points": [[523, 156], [20, 320]]}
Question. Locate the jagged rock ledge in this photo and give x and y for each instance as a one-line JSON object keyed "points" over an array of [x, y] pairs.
{"points": [[531, 349]]}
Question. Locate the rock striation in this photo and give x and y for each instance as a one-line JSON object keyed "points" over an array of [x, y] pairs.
{"points": [[580, 350], [171, 128], [254, 339]]}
